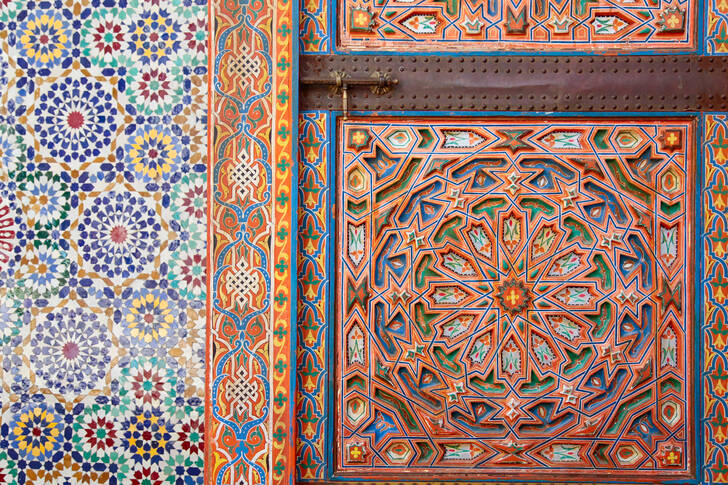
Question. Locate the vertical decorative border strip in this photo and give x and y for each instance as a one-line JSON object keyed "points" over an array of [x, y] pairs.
{"points": [[283, 267], [715, 286], [250, 340], [716, 27], [313, 282], [238, 360]]}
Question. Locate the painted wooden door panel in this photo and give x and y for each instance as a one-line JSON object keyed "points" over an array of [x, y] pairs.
{"points": [[509, 296]]}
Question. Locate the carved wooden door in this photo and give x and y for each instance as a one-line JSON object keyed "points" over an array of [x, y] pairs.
{"points": [[511, 241]]}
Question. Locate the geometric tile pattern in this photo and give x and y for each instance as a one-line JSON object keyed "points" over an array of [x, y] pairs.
{"points": [[488, 25], [515, 294], [103, 188], [312, 413]]}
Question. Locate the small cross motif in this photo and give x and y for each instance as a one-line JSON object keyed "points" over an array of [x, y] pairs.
{"points": [[356, 452], [513, 177], [615, 355], [512, 412], [569, 198], [568, 391], [609, 240], [457, 200], [418, 239]]}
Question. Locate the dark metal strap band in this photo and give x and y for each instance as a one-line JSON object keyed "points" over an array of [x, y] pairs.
{"points": [[667, 83]]}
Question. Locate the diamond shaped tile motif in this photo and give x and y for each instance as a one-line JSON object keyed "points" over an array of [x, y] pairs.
{"points": [[490, 25], [514, 294]]}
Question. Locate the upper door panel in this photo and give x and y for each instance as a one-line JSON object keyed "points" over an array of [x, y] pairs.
{"points": [[512, 25]]}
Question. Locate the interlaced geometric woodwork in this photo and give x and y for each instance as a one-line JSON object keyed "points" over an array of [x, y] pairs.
{"points": [[515, 295]]}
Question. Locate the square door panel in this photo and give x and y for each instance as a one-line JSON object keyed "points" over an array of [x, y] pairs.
{"points": [[514, 295], [494, 25]]}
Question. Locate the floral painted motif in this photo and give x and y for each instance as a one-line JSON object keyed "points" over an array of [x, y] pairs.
{"points": [[253, 230], [71, 350]]}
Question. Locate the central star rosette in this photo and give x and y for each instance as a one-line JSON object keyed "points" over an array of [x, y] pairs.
{"points": [[514, 296]]}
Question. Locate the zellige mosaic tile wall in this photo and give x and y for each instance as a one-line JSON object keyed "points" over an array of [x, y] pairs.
{"points": [[102, 241]]}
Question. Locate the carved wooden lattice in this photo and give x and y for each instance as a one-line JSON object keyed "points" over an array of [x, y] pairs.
{"points": [[511, 295]]}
